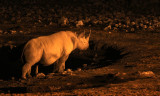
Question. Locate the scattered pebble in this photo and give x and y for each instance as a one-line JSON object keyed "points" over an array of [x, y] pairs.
{"points": [[79, 69], [21, 31], [147, 74], [50, 75], [79, 23], [63, 21], [112, 20], [1, 31], [85, 65], [13, 78], [40, 75], [13, 31], [69, 70], [121, 75], [65, 72]]}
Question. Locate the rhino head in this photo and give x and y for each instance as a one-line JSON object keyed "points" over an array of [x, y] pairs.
{"points": [[83, 42]]}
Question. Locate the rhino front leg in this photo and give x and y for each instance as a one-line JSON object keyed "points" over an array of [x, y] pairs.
{"points": [[60, 64]]}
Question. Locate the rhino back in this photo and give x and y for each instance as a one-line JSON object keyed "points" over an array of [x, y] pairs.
{"points": [[49, 48], [56, 45]]}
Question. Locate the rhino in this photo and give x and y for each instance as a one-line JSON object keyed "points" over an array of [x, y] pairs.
{"points": [[51, 49]]}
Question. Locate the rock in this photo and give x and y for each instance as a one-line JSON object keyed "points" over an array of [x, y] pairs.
{"points": [[84, 65], [109, 27], [79, 23], [121, 75], [64, 73], [148, 74], [133, 23], [63, 21], [1, 31], [132, 30], [110, 32], [21, 31], [13, 78], [79, 69], [13, 31], [69, 70], [40, 75], [50, 75]]}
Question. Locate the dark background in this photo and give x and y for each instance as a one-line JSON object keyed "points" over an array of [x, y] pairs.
{"points": [[103, 13]]}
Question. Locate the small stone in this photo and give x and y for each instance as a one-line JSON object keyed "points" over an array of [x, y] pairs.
{"points": [[126, 31], [116, 25], [72, 74], [145, 26], [20, 31], [132, 29], [13, 78], [148, 74], [40, 75], [13, 31], [109, 27], [10, 42], [5, 32], [63, 21], [1, 31], [51, 23], [133, 23], [69, 84], [65, 72], [121, 74], [110, 32], [69, 70], [79, 23], [50, 75], [79, 69], [84, 65]]}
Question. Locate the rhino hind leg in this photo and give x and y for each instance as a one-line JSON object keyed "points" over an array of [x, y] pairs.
{"points": [[26, 70], [60, 64], [29, 73]]}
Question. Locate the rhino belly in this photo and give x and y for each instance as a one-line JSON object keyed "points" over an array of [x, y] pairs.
{"points": [[47, 60]]}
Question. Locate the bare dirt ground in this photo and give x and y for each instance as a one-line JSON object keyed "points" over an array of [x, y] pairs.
{"points": [[122, 60], [113, 65]]}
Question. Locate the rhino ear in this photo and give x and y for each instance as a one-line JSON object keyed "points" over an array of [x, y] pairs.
{"points": [[88, 36], [75, 33], [82, 35]]}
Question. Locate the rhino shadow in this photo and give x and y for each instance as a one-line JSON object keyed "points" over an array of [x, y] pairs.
{"points": [[10, 63], [99, 54]]}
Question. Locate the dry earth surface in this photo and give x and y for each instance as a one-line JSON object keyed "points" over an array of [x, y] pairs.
{"points": [[113, 65], [123, 57]]}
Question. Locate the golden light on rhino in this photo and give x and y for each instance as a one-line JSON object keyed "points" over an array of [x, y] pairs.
{"points": [[52, 48]]}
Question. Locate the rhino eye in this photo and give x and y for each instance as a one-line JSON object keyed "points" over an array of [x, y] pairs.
{"points": [[84, 42]]}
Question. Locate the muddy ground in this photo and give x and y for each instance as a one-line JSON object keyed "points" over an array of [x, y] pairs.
{"points": [[113, 65]]}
